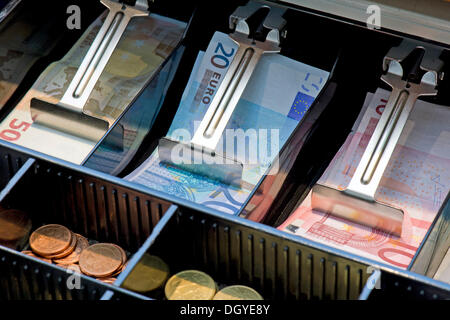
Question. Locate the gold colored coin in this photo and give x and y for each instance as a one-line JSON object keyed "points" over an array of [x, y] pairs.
{"points": [[50, 239], [100, 260], [237, 293], [190, 285], [149, 274]]}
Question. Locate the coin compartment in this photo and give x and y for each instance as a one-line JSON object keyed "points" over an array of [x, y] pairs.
{"points": [[52, 22], [93, 207], [234, 251]]}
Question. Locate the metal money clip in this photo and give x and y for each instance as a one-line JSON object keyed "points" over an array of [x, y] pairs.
{"points": [[357, 203], [69, 115], [202, 158]]}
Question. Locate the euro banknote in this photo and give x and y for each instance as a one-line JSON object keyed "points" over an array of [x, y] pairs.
{"points": [[417, 180], [145, 44], [112, 156], [279, 93]]}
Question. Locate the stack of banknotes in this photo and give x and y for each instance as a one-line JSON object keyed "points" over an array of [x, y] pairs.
{"points": [[417, 180], [145, 44], [119, 147], [274, 102]]}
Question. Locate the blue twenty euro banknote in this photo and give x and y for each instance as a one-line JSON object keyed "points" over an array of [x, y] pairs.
{"points": [[277, 97]]}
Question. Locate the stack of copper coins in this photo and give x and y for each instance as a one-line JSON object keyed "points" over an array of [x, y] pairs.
{"points": [[15, 226], [57, 244]]}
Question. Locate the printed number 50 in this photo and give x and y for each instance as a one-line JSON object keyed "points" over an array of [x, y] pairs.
{"points": [[14, 134]]}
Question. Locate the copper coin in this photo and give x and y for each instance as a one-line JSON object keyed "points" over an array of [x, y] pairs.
{"points": [[14, 224], [100, 260], [31, 254], [109, 280], [120, 270], [65, 253], [124, 254], [74, 267], [50, 239], [81, 244]]}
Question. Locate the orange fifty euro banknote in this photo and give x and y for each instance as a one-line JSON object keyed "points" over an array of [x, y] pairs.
{"points": [[417, 180]]}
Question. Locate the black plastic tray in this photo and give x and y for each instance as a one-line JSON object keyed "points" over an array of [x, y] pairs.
{"points": [[231, 249]]}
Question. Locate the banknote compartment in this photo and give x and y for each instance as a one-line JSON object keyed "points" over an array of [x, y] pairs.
{"points": [[161, 40], [301, 179], [88, 205], [317, 53], [49, 40], [435, 244]]}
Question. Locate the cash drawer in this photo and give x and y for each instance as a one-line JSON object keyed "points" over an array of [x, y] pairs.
{"points": [[279, 265]]}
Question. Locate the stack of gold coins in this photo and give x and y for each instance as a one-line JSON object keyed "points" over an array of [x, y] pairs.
{"points": [[54, 243], [15, 227], [197, 285]]}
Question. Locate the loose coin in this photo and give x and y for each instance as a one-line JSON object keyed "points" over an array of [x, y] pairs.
{"points": [[100, 260], [69, 250], [149, 274], [124, 254], [14, 225], [190, 285], [120, 270], [50, 239], [31, 254], [74, 257], [109, 280], [237, 293]]}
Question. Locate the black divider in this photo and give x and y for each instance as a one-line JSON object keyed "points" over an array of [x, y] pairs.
{"points": [[10, 162]]}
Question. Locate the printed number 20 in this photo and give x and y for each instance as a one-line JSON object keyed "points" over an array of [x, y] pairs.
{"points": [[221, 60]]}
